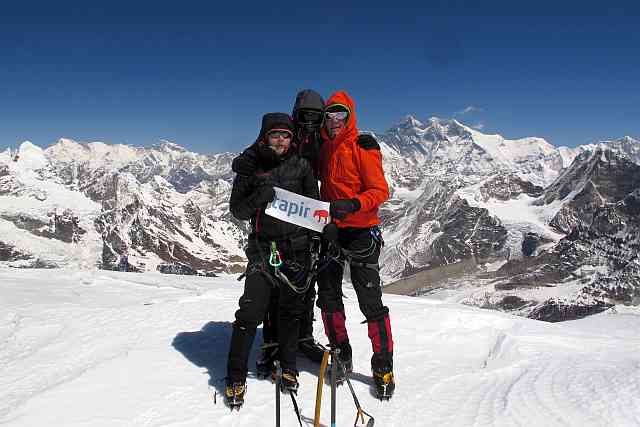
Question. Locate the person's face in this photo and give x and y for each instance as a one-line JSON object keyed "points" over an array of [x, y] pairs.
{"points": [[335, 121], [279, 141], [309, 118]]}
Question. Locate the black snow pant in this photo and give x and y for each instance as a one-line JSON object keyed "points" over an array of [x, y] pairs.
{"points": [[263, 290], [360, 247], [270, 322]]}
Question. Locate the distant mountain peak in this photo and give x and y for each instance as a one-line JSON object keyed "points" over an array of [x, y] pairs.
{"points": [[30, 156], [409, 122], [66, 141], [28, 145], [166, 145]]}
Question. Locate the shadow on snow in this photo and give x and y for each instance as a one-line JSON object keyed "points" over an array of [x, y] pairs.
{"points": [[209, 348]]}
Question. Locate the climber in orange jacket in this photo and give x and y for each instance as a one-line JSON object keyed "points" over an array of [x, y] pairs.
{"points": [[353, 183]]}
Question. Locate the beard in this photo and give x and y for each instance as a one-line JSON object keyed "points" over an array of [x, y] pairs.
{"points": [[280, 150]]}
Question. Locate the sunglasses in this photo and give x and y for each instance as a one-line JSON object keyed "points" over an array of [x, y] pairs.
{"points": [[337, 115], [309, 117], [279, 134]]}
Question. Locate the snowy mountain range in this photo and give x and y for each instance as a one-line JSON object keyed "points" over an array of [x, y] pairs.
{"points": [[464, 204]]}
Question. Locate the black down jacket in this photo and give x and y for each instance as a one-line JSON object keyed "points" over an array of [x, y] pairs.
{"points": [[291, 173]]}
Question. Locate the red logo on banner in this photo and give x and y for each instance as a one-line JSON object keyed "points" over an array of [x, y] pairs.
{"points": [[321, 214]]}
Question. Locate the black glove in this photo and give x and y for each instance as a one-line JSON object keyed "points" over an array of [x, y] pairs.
{"points": [[263, 179], [330, 232], [368, 142], [262, 195], [343, 207], [244, 165]]}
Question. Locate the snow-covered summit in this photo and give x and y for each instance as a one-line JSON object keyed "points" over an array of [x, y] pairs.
{"points": [[410, 122], [169, 146], [30, 157], [447, 144], [93, 154], [627, 145]]}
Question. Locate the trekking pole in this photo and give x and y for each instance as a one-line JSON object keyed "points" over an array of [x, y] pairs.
{"points": [[321, 374], [278, 377], [334, 371]]}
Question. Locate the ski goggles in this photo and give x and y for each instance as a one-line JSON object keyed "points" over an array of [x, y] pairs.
{"points": [[338, 115], [337, 112], [309, 117], [284, 134]]}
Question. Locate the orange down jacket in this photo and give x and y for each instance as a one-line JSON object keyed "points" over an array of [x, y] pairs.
{"points": [[347, 171]]}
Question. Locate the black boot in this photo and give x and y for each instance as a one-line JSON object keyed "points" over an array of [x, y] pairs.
{"points": [[234, 393], [289, 381], [311, 349], [265, 365], [382, 370]]}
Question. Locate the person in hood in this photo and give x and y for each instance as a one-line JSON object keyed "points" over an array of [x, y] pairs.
{"points": [[308, 117], [277, 252], [353, 181]]}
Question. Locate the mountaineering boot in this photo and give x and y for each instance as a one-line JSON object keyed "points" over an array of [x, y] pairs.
{"points": [[234, 393], [290, 381], [384, 384], [382, 369], [265, 364], [311, 349]]}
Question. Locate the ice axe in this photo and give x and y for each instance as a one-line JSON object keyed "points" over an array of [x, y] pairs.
{"points": [[361, 412]]}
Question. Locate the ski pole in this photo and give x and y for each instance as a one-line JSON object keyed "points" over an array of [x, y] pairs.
{"points": [[278, 377], [334, 371]]}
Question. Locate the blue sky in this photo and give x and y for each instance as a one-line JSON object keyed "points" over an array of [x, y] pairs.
{"points": [[202, 73]]}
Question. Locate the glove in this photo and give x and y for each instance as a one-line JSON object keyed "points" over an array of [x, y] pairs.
{"points": [[368, 142], [262, 195], [330, 232], [244, 165], [264, 179], [343, 207]]}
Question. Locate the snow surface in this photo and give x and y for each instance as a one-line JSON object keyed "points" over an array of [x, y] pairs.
{"points": [[100, 348]]}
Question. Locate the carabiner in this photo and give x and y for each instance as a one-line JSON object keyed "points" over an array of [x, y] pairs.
{"points": [[275, 260]]}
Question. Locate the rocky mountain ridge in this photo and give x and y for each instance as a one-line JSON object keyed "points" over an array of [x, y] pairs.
{"points": [[457, 196]]}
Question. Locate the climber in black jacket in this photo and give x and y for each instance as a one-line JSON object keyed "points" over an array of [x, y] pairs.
{"points": [[308, 116], [267, 286]]}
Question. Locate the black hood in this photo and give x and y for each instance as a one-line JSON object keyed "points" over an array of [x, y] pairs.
{"points": [[308, 99], [272, 121]]}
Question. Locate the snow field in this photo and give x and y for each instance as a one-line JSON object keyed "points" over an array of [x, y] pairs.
{"points": [[100, 348]]}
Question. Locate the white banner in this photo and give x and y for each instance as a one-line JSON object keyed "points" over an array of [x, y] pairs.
{"points": [[299, 210]]}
